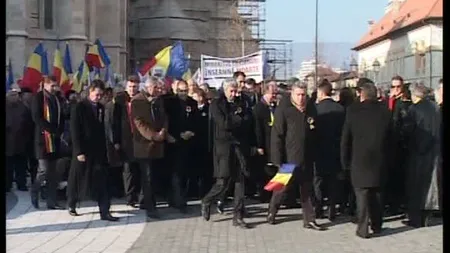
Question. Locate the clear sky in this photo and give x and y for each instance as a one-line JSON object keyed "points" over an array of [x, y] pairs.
{"points": [[339, 20]]}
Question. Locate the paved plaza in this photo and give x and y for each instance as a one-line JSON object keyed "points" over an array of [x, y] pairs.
{"points": [[47, 231]]}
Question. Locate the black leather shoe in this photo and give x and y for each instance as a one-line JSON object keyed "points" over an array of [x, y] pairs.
{"points": [[271, 219], [240, 223], [313, 225], [362, 235], [55, 207], [133, 204], [206, 211], [73, 212], [220, 207], [109, 217]]}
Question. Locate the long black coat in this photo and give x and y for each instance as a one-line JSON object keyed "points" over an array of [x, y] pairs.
{"points": [[292, 138], [329, 122], [263, 115], [88, 138], [423, 131], [232, 126], [121, 126], [19, 128], [55, 127], [366, 143]]}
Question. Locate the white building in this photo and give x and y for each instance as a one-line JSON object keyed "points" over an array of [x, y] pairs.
{"points": [[306, 68], [407, 41]]}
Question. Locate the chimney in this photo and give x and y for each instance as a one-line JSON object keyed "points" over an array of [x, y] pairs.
{"points": [[370, 23]]}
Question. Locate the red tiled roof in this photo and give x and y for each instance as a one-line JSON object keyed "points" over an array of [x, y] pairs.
{"points": [[409, 13], [322, 72]]}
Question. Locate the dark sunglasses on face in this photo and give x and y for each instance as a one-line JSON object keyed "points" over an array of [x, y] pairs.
{"points": [[182, 91]]}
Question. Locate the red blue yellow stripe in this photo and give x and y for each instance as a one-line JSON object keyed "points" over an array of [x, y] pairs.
{"points": [[33, 71], [281, 179], [59, 71], [48, 137], [97, 56]]}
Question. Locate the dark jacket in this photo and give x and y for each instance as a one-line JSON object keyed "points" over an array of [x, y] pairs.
{"points": [[148, 119], [329, 122], [55, 127], [424, 135], [121, 126], [292, 138], [88, 139], [263, 115], [19, 128], [366, 143], [88, 132], [232, 130]]}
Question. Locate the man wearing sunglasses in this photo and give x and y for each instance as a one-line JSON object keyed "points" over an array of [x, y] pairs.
{"points": [[399, 104]]}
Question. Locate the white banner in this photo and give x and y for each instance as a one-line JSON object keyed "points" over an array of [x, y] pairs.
{"points": [[214, 69]]}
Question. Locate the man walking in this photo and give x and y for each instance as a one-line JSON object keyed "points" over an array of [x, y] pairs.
{"points": [[292, 143], [365, 146]]}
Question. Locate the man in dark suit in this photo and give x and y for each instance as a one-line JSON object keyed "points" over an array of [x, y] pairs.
{"points": [[88, 176], [330, 117], [365, 150], [47, 113], [232, 126], [263, 113], [292, 142], [122, 135]]}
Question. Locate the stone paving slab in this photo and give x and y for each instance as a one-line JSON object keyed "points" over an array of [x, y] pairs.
{"points": [[48, 231], [193, 234]]}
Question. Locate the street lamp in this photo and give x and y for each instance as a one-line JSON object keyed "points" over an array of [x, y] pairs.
{"points": [[376, 69]]}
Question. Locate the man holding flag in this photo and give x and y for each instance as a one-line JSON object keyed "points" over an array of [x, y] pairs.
{"points": [[291, 144]]}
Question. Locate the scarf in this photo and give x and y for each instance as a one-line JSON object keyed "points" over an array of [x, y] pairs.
{"points": [[49, 138]]}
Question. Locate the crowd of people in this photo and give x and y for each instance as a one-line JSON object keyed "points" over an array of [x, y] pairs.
{"points": [[356, 152]]}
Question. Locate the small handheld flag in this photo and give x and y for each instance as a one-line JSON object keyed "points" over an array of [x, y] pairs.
{"points": [[281, 179]]}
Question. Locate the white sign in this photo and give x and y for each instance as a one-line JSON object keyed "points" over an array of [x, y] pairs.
{"points": [[214, 69]]}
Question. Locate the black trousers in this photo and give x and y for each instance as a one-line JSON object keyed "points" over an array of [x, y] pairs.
{"points": [[147, 196], [369, 207], [132, 181], [348, 198], [16, 170], [305, 189], [33, 165], [46, 175], [326, 185], [221, 186], [99, 183]]}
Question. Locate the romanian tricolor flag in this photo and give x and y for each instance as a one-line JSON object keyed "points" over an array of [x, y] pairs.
{"points": [[281, 179], [171, 60], [36, 67], [59, 71], [80, 77], [68, 60], [96, 56]]}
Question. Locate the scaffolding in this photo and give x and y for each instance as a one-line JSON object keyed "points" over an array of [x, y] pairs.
{"points": [[253, 14], [278, 54]]}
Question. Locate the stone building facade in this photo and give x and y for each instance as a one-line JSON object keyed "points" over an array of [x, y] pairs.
{"points": [[78, 22]]}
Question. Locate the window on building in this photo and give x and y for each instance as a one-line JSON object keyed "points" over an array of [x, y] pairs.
{"points": [[34, 14], [48, 14]]}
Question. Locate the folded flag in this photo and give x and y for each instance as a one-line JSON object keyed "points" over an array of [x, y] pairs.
{"points": [[281, 179]]}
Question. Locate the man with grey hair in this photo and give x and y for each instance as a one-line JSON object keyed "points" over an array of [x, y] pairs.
{"points": [[365, 150], [292, 143], [232, 130], [424, 135]]}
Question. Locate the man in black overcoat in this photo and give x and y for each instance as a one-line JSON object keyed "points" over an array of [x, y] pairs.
{"points": [[47, 113], [329, 119], [263, 113], [292, 142], [232, 123], [365, 151], [88, 176], [423, 130], [122, 135]]}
